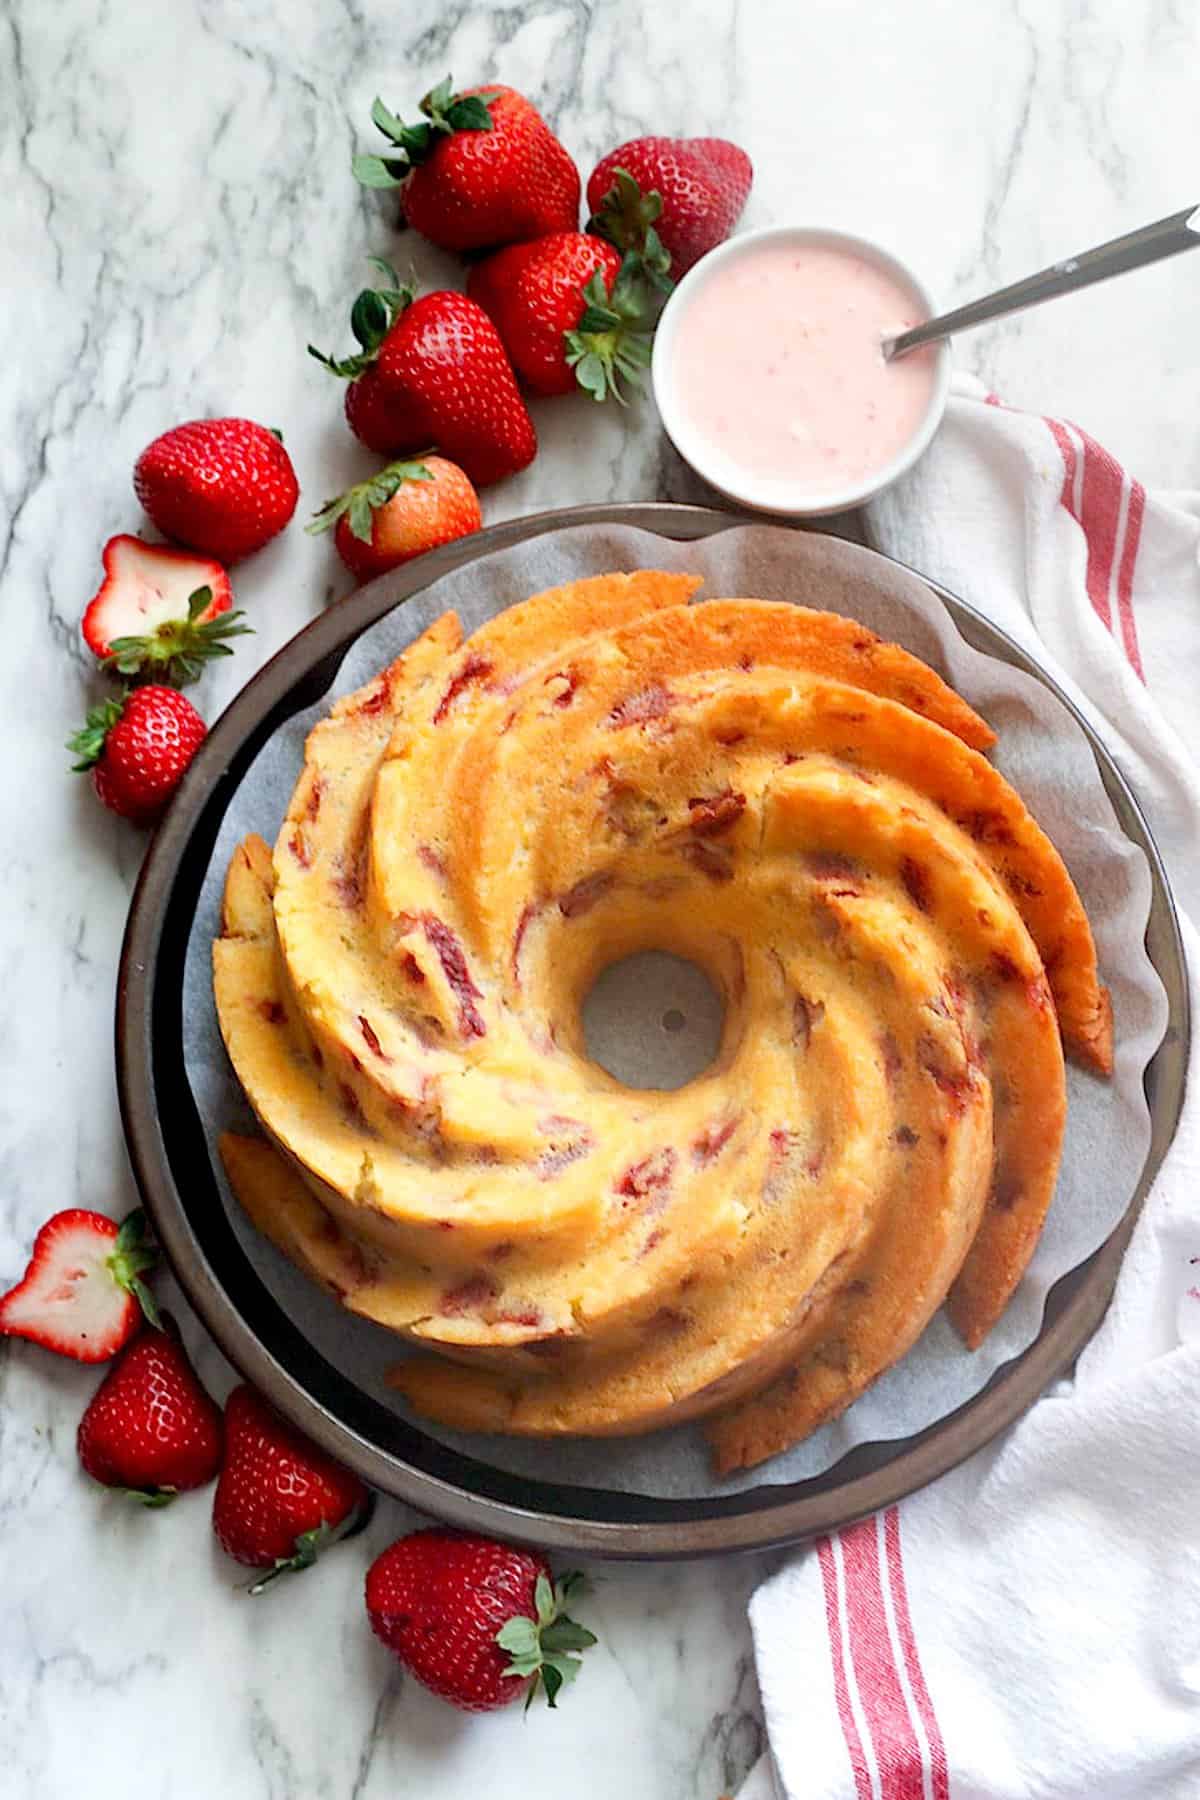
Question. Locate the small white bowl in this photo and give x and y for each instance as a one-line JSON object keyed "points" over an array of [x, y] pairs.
{"points": [[711, 462]]}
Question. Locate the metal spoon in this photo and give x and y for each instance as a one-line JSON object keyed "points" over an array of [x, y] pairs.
{"points": [[1166, 237]]}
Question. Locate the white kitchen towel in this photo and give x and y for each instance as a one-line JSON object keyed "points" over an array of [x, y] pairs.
{"points": [[1028, 1628]]}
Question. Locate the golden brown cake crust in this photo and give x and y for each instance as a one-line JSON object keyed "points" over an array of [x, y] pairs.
{"points": [[768, 790]]}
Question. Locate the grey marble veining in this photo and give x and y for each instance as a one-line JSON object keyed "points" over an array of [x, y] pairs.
{"points": [[176, 222]]}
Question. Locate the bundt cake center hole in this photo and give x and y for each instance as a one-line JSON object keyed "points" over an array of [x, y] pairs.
{"points": [[653, 1020]]}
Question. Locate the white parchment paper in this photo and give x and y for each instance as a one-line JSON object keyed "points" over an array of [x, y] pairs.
{"points": [[1042, 752]]}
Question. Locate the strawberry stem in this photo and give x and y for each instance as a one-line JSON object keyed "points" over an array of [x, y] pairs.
{"points": [[310, 1544], [133, 1253], [153, 1497], [611, 342], [372, 316], [146, 1301], [378, 171], [445, 113], [88, 743], [541, 1649], [626, 216], [363, 501], [177, 650]]}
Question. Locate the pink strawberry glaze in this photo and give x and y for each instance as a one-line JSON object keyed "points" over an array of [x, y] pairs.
{"points": [[777, 364]]}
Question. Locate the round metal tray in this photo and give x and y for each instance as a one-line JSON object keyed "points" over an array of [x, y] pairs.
{"points": [[172, 1167]]}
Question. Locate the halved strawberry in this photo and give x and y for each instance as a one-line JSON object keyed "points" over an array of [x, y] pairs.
{"points": [[160, 612], [82, 1294]]}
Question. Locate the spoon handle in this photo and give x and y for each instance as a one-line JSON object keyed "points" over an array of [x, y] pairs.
{"points": [[1150, 243]]}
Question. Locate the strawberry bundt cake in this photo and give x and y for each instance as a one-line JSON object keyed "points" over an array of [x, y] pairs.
{"points": [[774, 793]]}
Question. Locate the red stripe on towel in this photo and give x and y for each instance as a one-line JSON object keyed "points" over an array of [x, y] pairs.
{"points": [[1069, 452], [939, 1774], [898, 1754], [841, 1686], [1133, 537], [1103, 481], [1109, 509]]}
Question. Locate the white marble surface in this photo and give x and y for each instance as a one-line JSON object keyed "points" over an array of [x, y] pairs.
{"points": [[177, 220]]}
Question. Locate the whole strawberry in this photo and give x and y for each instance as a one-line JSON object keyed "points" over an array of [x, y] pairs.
{"points": [[406, 509], [439, 378], [280, 1499], [82, 1294], [479, 1623], [569, 314], [223, 486], [151, 1428], [702, 184], [138, 748], [160, 610], [482, 168]]}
